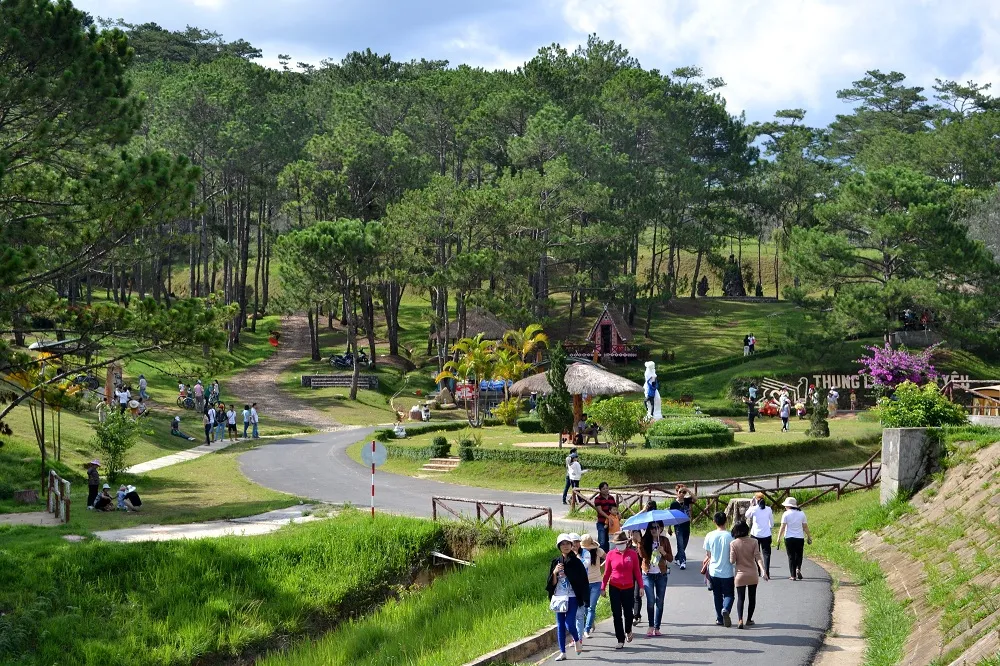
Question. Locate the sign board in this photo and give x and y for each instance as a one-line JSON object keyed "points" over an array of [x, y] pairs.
{"points": [[465, 392], [798, 386], [373, 454]]}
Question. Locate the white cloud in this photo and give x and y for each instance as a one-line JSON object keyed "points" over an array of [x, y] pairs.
{"points": [[785, 53]]}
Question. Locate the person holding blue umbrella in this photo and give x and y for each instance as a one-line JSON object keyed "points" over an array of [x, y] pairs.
{"points": [[655, 552]]}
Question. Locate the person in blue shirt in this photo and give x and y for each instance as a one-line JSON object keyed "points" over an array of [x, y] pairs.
{"points": [[721, 571]]}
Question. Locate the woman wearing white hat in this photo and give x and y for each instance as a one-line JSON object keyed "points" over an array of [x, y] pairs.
{"points": [[595, 555], [568, 588], [795, 531]]}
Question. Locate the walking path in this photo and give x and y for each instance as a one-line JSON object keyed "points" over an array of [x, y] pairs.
{"points": [[259, 383], [790, 621], [263, 523]]}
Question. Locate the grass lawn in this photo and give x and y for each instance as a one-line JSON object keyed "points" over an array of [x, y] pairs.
{"points": [[535, 477], [182, 601]]}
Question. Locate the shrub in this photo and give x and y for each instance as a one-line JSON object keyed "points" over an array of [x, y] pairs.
{"points": [[818, 425], [620, 419], [529, 425], [709, 440], [687, 426], [384, 435], [508, 410], [113, 439], [914, 407], [441, 447]]}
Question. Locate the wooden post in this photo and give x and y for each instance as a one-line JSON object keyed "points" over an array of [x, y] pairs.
{"points": [[434, 508]]}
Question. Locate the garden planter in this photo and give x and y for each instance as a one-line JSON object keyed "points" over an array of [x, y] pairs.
{"points": [[909, 455]]}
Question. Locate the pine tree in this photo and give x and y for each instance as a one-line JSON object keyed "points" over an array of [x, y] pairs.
{"points": [[556, 409]]}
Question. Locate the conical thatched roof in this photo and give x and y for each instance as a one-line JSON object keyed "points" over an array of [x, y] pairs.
{"points": [[478, 320], [581, 378]]}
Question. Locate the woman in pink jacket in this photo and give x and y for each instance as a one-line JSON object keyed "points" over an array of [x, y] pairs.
{"points": [[621, 576]]}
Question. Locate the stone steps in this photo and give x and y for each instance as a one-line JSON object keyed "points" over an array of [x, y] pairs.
{"points": [[443, 465]]}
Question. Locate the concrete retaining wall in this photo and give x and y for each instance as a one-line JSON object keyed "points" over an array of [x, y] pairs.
{"points": [[909, 455]]}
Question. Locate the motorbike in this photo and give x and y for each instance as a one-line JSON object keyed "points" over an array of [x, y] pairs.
{"points": [[346, 361]]}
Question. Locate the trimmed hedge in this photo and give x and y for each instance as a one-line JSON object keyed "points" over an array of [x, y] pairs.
{"points": [[386, 435], [676, 427], [707, 440], [668, 462], [732, 411], [411, 452], [529, 425]]}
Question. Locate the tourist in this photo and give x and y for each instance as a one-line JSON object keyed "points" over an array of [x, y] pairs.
{"points": [[569, 482], [216, 389], [104, 501], [123, 395], [199, 396], [142, 387], [800, 409], [656, 554], [746, 345], [635, 543], [102, 410], [254, 420], [622, 575], [831, 401], [795, 531], [220, 422], [854, 401], [785, 411], [124, 503], [721, 571], [751, 413], [575, 472], [231, 423], [132, 496], [182, 390], [744, 554], [595, 556], [753, 344], [584, 556], [141, 408], [682, 531], [207, 421], [212, 418], [246, 420], [93, 482], [602, 503], [752, 392], [175, 429], [568, 587], [761, 520]]}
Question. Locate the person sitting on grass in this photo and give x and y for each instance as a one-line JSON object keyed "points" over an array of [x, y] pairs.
{"points": [[124, 503], [175, 429], [104, 501]]}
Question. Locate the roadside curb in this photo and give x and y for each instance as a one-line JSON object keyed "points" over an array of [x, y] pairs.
{"points": [[519, 650]]}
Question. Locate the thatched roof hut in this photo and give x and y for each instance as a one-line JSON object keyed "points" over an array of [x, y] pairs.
{"points": [[581, 379], [478, 320]]}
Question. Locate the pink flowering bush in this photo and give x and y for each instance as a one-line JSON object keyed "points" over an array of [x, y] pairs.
{"points": [[891, 367]]}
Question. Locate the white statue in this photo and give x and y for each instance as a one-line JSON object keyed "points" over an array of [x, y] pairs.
{"points": [[652, 392]]}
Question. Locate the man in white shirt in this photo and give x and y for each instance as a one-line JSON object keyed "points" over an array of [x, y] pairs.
{"points": [[831, 401], [142, 387], [254, 420], [212, 420], [123, 396], [760, 518]]}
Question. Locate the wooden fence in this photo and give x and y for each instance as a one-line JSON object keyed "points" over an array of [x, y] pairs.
{"points": [[57, 499], [488, 511], [776, 488]]}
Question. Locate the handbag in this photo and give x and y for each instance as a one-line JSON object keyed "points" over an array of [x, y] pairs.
{"points": [[704, 564], [559, 604]]}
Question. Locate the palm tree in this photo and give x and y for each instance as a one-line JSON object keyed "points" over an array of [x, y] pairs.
{"points": [[509, 367], [476, 361], [526, 340]]}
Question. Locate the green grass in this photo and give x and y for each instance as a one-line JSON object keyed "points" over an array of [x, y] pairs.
{"points": [[174, 602], [462, 615], [886, 622]]}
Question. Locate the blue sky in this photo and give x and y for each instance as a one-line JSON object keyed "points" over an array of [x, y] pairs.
{"points": [[772, 53]]}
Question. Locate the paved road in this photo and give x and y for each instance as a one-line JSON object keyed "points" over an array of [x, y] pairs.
{"points": [[791, 618]]}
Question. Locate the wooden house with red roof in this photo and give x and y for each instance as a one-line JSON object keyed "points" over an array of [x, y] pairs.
{"points": [[610, 338]]}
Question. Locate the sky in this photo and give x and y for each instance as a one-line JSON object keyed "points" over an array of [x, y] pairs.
{"points": [[773, 54]]}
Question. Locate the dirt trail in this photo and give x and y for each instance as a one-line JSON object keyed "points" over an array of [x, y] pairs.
{"points": [[260, 383]]}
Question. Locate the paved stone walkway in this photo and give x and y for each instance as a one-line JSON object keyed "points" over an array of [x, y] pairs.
{"points": [[263, 523]]}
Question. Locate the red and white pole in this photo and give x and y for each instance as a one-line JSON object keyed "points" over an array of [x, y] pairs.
{"points": [[373, 478]]}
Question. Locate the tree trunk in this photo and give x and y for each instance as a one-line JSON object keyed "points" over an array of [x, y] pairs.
{"points": [[697, 270]]}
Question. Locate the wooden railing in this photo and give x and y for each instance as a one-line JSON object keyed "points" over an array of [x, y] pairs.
{"points": [[776, 488], [488, 511], [57, 499]]}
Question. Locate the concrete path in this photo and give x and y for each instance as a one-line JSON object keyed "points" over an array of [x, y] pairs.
{"points": [[263, 523], [791, 619], [34, 518], [179, 457]]}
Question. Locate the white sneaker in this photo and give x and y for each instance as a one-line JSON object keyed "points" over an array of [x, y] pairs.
{"points": [[561, 657], [682, 566], [588, 634]]}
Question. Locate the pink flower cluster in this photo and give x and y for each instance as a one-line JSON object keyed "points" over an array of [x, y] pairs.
{"points": [[891, 367]]}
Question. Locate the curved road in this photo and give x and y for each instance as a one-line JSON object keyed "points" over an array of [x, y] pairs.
{"points": [[791, 617]]}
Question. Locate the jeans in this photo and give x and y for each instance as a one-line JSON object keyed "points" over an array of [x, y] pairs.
{"points": [[723, 592], [751, 591], [794, 547], [655, 585], [567, 622], [602, 536], [220, 431], [255, 435], [683, 535], [143, 394], [591, 616], [246, 426], [208, 431], [621, 608], [765, 551], [570, 483]]}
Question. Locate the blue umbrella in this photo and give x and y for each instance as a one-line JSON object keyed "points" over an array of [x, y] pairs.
{"points": [[666, 516]]}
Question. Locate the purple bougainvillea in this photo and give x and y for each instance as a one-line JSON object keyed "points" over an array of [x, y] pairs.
{"points": [[891, 367]]}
